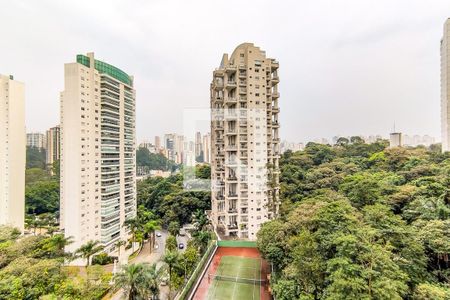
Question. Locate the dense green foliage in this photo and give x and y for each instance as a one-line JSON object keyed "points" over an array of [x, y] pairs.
{"points": [[153, 161], [138, 281], [167, 198], [203, 172], [32, 267], [360, 221], [41, 199], [35, 158]]}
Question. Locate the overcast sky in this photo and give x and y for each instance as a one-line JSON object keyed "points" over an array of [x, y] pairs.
{"points": [[346, 67]]}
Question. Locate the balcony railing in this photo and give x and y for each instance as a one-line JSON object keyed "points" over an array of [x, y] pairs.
{"points": [[232, 226]]}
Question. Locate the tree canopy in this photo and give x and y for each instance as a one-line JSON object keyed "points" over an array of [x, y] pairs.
{"points": [[361, 221]]}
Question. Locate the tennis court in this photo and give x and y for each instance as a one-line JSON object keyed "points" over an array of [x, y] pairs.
{"points": [[236, 271], [236, 278]]}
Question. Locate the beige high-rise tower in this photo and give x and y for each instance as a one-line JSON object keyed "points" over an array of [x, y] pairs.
{"points": [[98, 183], [445, 87], [53, 145], [12, 152], [244, 142]]}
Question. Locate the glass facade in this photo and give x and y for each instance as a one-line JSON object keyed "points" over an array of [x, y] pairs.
{"points": [[105, 68]]}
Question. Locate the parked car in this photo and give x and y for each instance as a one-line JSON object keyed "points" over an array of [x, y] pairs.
{"points": [[158, 234], [180, 246]]}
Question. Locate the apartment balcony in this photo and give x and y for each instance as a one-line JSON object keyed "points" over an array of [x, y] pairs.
{"points": [[243, 99], [276, 140], [242, 67], [244, 186], [218, 99], [232, 210], [232, 147], [275, 124], [231, 84], [243, 91], [231, 114], [232, 227], [231, 131], [276, 95], [220, 184], [275, 79], [232, 195], [242, 74], [232, 178], [218, 85], [230, 69], [231, 163], [275, 109], [218, 127], [231, 100], [274, 64], [243, 83]]}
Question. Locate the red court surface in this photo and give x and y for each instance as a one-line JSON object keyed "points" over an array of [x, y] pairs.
{"points": [[202, 290]]}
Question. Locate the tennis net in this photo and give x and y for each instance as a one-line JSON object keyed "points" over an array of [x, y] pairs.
{"points": [[237, 279]]}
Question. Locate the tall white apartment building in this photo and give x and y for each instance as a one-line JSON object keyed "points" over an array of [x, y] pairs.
{"points": [[36, 139], [98, 181], [445, 87], [53, 149], [244, 142], [12, 152]]}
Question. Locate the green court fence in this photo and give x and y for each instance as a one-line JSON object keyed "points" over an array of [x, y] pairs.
{"points": [[197, 272], [237, 244]]}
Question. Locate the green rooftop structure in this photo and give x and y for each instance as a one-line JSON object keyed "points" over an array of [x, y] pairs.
{"points": [[106, 68]]}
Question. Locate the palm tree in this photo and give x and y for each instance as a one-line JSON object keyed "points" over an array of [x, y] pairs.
{"points": [[150, 227], [153, 281], [201, 239], [57, 243], [200, 220], [89, 249], [119, 244], [134, 226], [171, 259], [139, 281]]}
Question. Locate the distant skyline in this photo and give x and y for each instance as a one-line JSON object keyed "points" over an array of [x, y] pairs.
{"points": [[346, 67]]}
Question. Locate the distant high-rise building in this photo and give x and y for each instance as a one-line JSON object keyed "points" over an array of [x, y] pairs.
{"points": [[12, 152], [98, 163], [179, 149], [36, 139], [198, 146], [53, 145], [395, 140], [169, 145], [158, 143], [245, 143], [206, 151], [445, 87]]}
